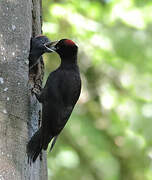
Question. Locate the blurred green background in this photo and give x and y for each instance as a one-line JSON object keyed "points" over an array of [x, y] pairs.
{"points": [[109, 135]]}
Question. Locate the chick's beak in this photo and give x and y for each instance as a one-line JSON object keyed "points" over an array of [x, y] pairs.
{"points": [[50, 46]]}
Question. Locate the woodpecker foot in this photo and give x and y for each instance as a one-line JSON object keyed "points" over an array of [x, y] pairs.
{"points": [[36, 91]]}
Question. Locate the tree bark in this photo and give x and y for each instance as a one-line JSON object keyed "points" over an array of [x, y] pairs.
{"points": [[19, 109]]}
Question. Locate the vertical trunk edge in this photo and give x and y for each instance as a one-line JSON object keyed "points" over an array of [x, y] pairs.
{"points": [[19, 110]]}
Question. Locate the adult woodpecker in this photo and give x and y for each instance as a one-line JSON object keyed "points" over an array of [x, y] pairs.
{"points": [[38, 48], [58, 97]]}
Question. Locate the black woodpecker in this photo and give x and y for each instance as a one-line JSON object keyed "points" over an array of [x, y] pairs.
{"points": [[58, 97], [38, 48]]}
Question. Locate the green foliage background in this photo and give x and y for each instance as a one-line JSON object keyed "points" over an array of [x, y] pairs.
{"points": [[109, 135]]}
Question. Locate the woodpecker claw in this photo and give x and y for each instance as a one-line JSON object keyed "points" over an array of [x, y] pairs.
{"points": [[36, 91]]}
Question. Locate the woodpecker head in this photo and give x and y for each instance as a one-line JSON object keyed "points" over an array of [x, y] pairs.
{"points": [[65, 48], [39, 44], [38, 48]]}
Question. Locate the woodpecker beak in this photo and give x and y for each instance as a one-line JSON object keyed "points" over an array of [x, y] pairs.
{"points": [[50, 46]]}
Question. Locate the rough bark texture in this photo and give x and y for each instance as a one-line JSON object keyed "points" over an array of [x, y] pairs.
{"points": [[19, 110]]}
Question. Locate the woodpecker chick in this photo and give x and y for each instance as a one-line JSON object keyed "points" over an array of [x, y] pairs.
{"points": [[58, 97], [38, 48]]}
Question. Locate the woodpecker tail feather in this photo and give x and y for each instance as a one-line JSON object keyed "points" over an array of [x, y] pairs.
{"points": [[39, 141], [34, 146], [53, 143]]}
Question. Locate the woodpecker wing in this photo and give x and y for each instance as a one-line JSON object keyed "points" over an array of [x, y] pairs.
{"points": [[62, 91]]}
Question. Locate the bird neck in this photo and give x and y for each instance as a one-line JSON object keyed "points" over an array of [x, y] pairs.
{"points": [[68, 62], [35, 55]]}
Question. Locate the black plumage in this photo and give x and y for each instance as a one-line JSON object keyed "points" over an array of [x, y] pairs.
{"points": [[38, 48], [58, 97]]}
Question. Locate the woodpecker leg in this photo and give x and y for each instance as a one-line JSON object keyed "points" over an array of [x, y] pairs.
{"points": [[37, 93]]}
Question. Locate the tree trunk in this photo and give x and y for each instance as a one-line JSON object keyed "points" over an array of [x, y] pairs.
{"points": [[19, 110]]}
